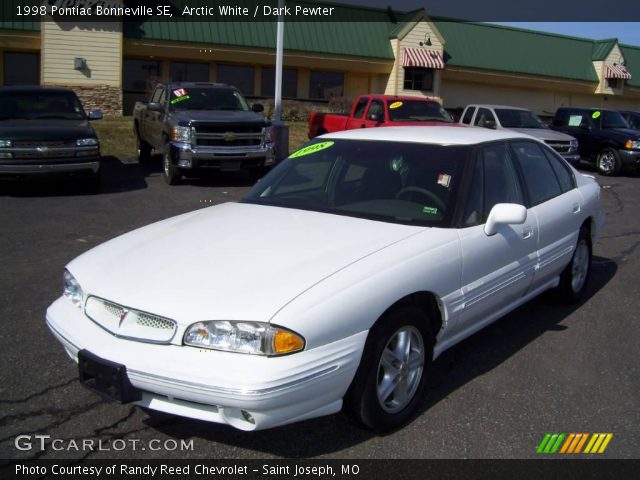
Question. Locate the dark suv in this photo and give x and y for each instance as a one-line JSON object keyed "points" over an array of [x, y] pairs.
{"points": [[604, 137]]}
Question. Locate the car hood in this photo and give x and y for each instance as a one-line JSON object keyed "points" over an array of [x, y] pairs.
{"points": [[544, 134], [45, 129], [628, 133], [218, 116], [233, 261]]}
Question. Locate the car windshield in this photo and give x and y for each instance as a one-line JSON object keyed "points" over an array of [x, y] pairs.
{"points": [[409, 183], [512, 118], [40, 104], [202, 98], [613, 120], [418, 111]]}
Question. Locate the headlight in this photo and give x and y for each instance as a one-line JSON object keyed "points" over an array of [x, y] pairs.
{"points": [[86, 142], [181, 134], [5, 143], [243, 337], [268, 134], [632, 145], [72, 289]]}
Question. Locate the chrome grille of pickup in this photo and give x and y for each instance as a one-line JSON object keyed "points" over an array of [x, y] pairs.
{"points": [[559, 146], [44, 143], [130, 323], [227, 136], [43, 154]]}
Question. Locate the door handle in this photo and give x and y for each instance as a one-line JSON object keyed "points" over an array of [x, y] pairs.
{"points": [[527, 232], [575, 208]]}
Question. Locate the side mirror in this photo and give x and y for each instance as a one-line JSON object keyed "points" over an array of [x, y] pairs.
{"points": [[586, 126], [95, 115], [257, 107], [155, 107], [504, 214]]}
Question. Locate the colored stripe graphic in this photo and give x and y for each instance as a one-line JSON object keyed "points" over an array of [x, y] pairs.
{"points": [[573, 443]]}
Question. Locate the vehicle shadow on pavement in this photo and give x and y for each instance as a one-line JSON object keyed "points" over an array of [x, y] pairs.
{"points": [[459, 365]]}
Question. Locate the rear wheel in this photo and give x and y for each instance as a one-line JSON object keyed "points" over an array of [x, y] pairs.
{"points": [[170, 172], [143, 149], [609, 162], [391, 376], [574, 278]]}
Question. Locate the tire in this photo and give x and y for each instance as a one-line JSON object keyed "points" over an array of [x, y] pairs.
{"points": [[170, 172], [387, 387], [609, 162], [143, 150], [575, 276]]}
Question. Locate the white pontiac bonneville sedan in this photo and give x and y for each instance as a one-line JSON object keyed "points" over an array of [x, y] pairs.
{"points": [[334, 281]]}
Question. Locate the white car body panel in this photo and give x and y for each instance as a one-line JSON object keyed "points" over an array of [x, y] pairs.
{"points": [[327, 277]]}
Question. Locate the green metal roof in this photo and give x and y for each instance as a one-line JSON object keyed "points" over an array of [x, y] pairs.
{"points": [[631, 56], [513, 50], [602, 48]]}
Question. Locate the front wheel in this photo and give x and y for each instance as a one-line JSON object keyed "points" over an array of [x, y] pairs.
{"points": [[609, 162], [574, 278], [391, 376], [170, 172]]}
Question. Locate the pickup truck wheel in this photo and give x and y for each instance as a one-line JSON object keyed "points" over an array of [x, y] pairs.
{"points": [[170, 172], [609, 162], [143, 150], [574, 278], [390, 379]]}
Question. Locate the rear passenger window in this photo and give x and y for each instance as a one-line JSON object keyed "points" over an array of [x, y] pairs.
{"points": [[564, 175], [468, 115], [359, 111], [484, 118], [539, 177]]}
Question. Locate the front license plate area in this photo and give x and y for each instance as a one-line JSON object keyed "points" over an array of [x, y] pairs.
{"points": [[106, 378], [230, 165]]}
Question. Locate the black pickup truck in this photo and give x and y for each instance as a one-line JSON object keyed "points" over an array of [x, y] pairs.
{"points": [[200, 126], [604, 137], [46, 130]]}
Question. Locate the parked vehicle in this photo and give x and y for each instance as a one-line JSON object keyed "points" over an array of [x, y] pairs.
{"points": [[203, 126], [335, 281], [604, 137], [523, 121], [45, 130], [380, 111], [632, 118]]}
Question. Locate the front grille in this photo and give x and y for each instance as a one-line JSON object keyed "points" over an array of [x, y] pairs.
{"points": [[45, 154], [226, 127], [228, 136], [559, 146], [129, 322], [41, 143], [241, 142]]}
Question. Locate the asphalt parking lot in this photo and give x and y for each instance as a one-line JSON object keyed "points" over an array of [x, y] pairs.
{"points": [[543, 368]]}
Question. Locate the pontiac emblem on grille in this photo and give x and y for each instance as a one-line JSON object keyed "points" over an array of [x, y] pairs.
{"points": [[229, 137], [123, 315]]}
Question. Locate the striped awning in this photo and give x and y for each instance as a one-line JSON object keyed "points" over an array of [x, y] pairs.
{"points": [[422, 57], [617, 71]]}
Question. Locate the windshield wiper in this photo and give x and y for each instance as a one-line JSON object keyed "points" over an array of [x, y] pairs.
{"points": [[54, 116]]}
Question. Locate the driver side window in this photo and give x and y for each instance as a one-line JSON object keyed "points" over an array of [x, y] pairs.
{"points": [[494, 180]]}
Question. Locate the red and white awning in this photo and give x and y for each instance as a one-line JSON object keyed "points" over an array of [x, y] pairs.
{"points": [[617, 71], [422, 57]]}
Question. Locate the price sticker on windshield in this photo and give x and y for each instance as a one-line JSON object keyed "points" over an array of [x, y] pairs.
{"points": [[395, 105], [316, 147], [181, 92], [595, 115]]}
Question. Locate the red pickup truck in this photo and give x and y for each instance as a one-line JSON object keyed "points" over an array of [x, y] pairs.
{"points": [[380, 111]]}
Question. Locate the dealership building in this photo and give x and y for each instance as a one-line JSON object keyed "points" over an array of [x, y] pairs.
{"points": [[112, 64]]}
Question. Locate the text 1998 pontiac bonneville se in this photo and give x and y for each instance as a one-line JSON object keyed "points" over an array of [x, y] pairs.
{"points": [[334, 281]]}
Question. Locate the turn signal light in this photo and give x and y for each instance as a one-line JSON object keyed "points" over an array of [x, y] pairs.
{"points": [[286, 342]]}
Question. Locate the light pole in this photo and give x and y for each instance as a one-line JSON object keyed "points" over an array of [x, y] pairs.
{"points": [[280, 129]]}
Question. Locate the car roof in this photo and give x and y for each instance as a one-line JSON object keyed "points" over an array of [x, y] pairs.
{"points": [[199, 84], [35, 89], [588, 109], [487, 105], [445, 135]]}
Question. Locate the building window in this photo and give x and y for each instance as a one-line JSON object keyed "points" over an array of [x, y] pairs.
{"points": [[289, 82], [189, 72], [326, 85], [416, 78], [240, 76], [21, 68], [138, 80], [613, 83]]}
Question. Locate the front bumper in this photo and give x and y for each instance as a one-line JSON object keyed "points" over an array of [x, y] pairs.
{"points": [[572, 158], [222, 158], [630, 157], [248, 392], [60, 165]]}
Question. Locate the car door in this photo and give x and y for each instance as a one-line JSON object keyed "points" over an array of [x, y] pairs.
{"points": [[485, 118], [581, 125], [556, 204], [497, 270], [157, 120], [356, 120], [148, 120], [375, 114]]}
